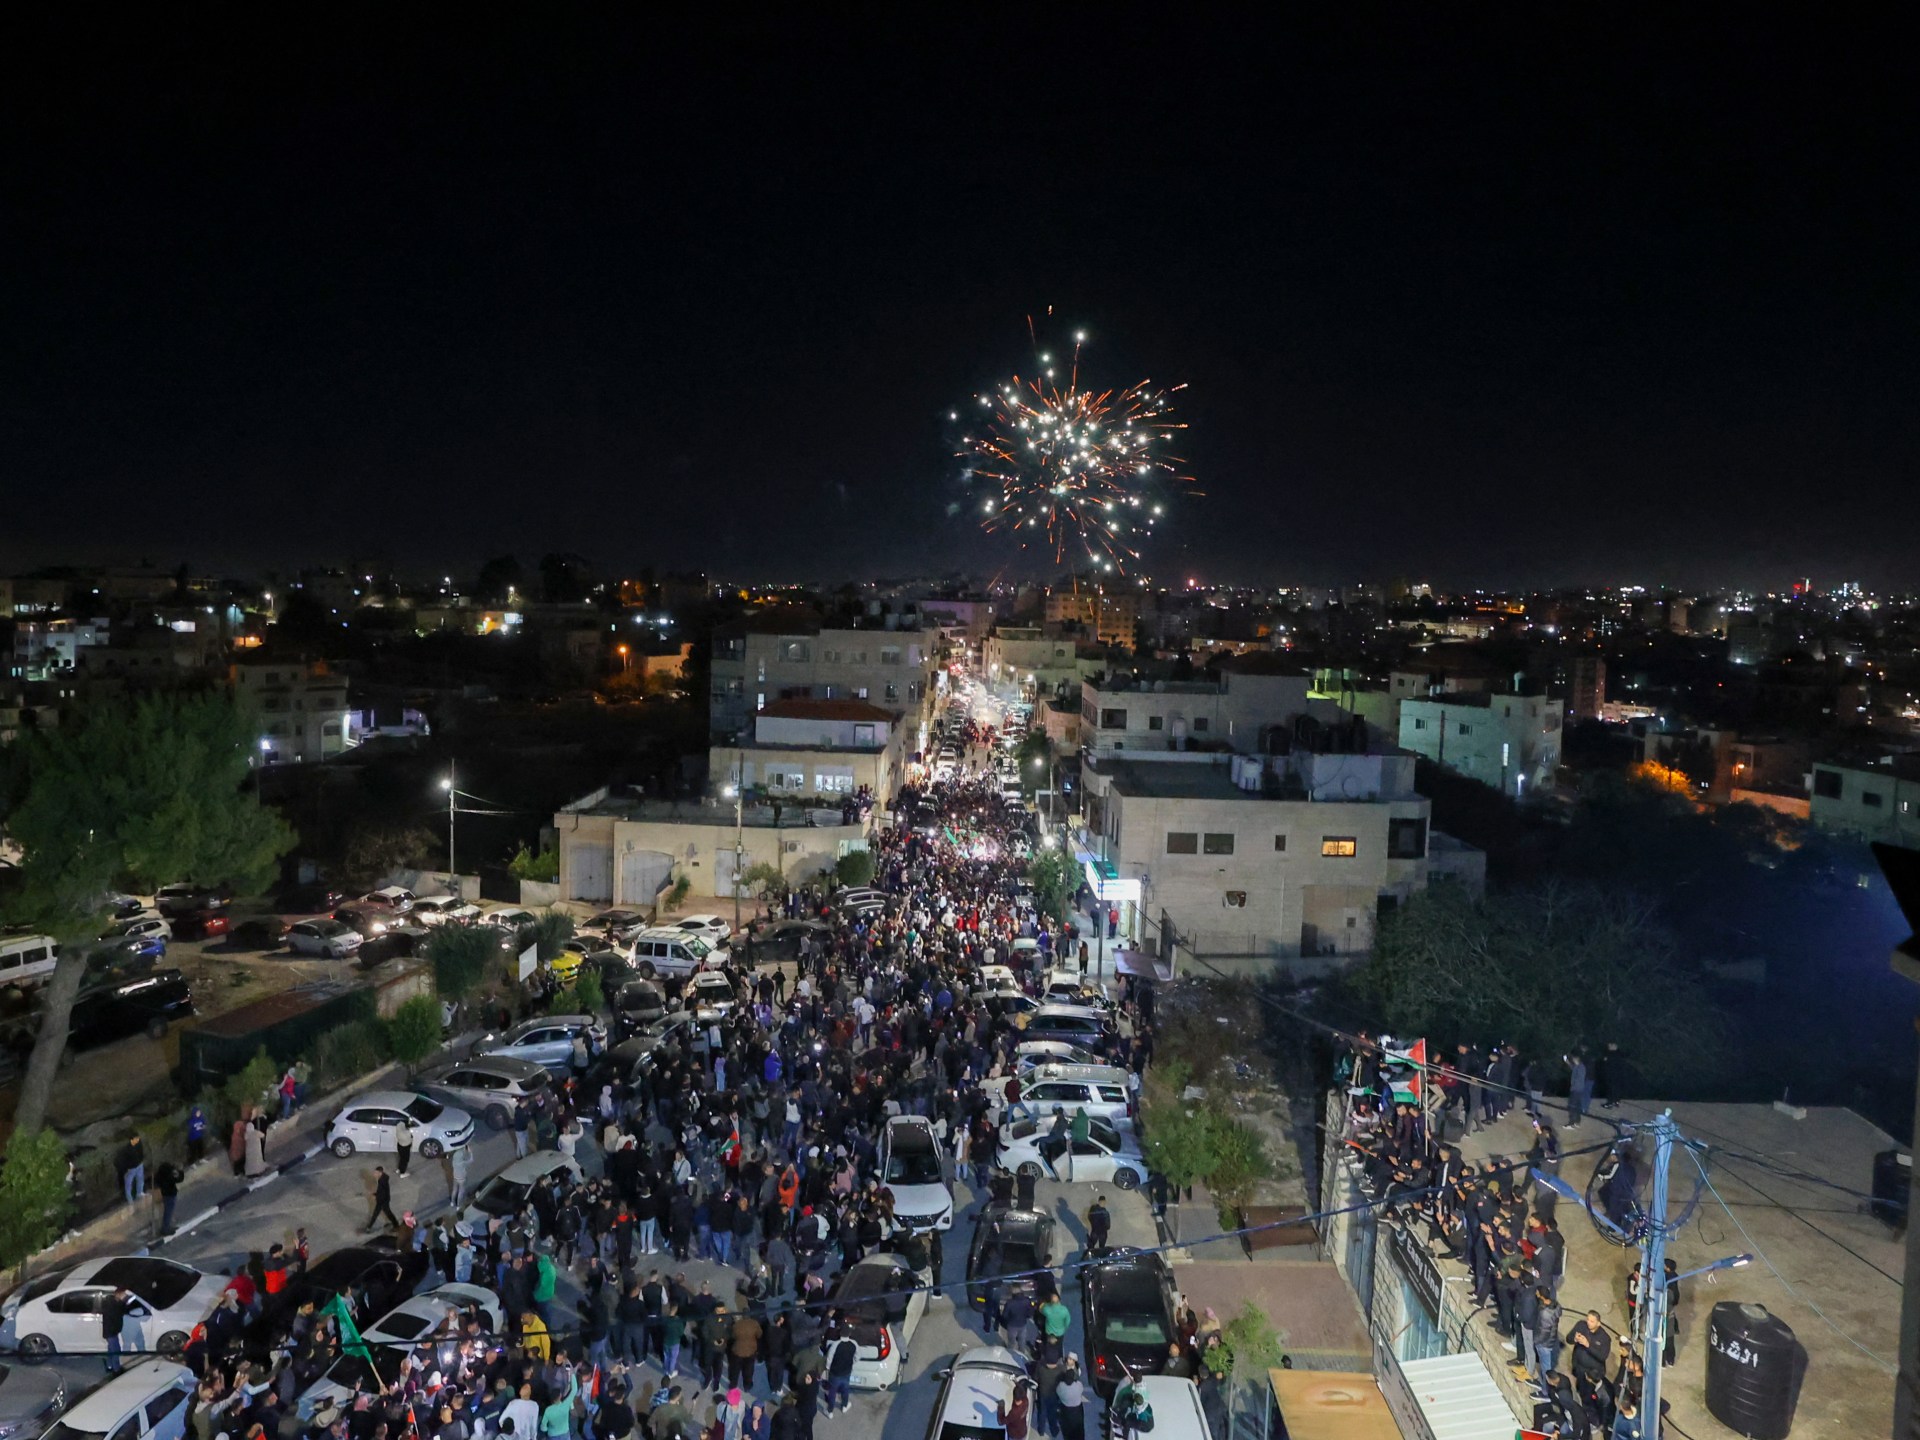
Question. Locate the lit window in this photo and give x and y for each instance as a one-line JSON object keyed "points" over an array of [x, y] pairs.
{"points": [[1339, 846]]}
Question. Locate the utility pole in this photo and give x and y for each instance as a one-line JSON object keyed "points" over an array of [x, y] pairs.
{"points": [[1653, 1277], [448, 785], [739, 840]]}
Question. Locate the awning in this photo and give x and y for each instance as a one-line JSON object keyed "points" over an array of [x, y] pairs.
{"points": [[1332, 1405], [1458, 1398]]}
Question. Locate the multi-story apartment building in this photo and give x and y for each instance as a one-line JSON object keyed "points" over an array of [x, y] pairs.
{"points": [[1244, 710], [1242, 863], [1037, 662], [1511, 742], [302, 709], [816, 749], [43, 649], [1110, 619], [887, 659]]}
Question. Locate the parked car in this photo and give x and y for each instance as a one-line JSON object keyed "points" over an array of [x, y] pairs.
{"points": [[327, 939], [778, 941], [31, 1396], [1128, 1304], [395, 898], [510, 918], [370, 922], [140, 925], [439, 909], [1005, 1243], [881, 1298], [149, 1400], [547, 1041], [263, 932], [910, 1166], [127, 955], [506, 1193], [489, 1086], [126, 1007], [1100, 1090], [202, 925], [1029, 1054], [27, 959], [393, 1333], [184, 897], [616, 925], [368, 1123], [315, 899], [710, 994], [1106, 1156], [636, 1005], [974, 1391], [662, 950], [713, 929], [58, 1313], [1080, 1025], [373, 1278]]}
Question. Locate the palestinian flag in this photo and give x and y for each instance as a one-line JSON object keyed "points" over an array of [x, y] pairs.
{"points": [[1406, 1069], [350, 1341]]}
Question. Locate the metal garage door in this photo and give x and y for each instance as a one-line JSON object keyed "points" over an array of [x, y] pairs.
{"points": [[642, 873], [592, 874]]}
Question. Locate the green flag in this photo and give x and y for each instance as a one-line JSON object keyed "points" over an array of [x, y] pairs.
{"points": [[350, 1341]]}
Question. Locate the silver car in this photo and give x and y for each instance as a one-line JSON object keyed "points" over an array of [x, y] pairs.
{"points": [[547, 1041], [328, 939], [489, 1086]]}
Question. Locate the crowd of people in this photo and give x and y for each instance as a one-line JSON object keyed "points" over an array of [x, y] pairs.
{"points": [[1494, 1218], [752, 1142]]}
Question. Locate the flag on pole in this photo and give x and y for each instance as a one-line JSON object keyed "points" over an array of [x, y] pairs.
{"points": [[350, 1341], [1411, 1063]]}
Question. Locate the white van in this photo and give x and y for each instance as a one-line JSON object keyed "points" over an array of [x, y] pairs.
{"points": [[27, 959], [148, 1401], [664, 950]]}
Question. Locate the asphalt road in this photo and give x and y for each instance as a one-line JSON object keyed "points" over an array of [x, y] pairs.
{"points": [[331, 1198]]}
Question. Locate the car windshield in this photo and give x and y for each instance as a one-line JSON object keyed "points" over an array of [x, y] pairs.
{"points": [[1134, 1327], [423, 1109], [913, 1164], [500, 1197], [697, 947], [1008, 1257], [160, 1283], [61, 1430]]}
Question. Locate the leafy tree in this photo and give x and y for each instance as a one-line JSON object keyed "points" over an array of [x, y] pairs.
{"points": [[1555, 970], [855, 868], [463, 957], [763, 880], [1249, 1346], [253, 1085], [677, 892], [35, 1199], [588, 993], [1189, 1141], [372, 855], [133, 795], [550, 930], [542, 868], [1054, 877], [414, 1030]]}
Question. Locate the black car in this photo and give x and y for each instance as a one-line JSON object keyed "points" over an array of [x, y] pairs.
{"points": [[374, 1278], [636, 1005], [313, 899], [1127, 1301], [1006, 1243], [772, 942], [128, 1007], [264, 932]]}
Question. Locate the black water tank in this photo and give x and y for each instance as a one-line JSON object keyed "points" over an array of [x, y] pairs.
{"points": [[1753, 1365], [1892, 1185]]}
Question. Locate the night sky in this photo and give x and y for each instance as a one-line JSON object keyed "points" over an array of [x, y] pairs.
{"points": [[1506, 298]]}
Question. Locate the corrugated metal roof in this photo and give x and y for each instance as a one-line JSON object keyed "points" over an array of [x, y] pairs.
{"points": [[1458, 1398]]}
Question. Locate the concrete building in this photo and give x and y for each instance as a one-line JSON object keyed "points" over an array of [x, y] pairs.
{"points": [[1038, 662], [32, 595], [1586, 687], [621, 850], [1110, 619], [1879, 801], [890, 659], [44, 649], [1248, 863], [1243, 710], [1511, 742], [303, 710], [816, 749]]}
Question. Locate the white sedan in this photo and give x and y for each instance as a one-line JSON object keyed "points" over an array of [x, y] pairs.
{"points": [[711, 928], [439, 909], [710, 994], [59, 1312], [395, 1332], [370, 1121], [327, 938], [1105, 1157]]}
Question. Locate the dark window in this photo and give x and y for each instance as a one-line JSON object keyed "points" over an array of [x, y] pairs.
{"points": [[1113, 719], [1406, 839], [1872, 799], [1419, 724], [1465, 729], [1183, 842], [1279, 842], [1156, 722], [1339, 846], [1826, 784], [1200, 723], [1219, 843]]}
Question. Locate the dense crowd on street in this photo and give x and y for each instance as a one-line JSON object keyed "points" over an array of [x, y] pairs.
{"points": [[751, 1142], [1494, 1217]]}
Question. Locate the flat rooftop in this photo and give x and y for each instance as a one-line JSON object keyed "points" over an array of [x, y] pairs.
{"points": [[1820, 1247], [1172, 780]]}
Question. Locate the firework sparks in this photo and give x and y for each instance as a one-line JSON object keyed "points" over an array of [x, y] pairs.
{"points": [[1080, 467]]}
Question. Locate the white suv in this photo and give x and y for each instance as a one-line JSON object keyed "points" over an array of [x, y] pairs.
{"points": [[974, 1392], [910, 1166]]}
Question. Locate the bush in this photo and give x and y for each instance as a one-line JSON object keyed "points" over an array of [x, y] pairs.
{"points": [[1055, 877], [414, 1030], [1249, 1346], [589, 995], [855, 868], [550, 931], [34, 1198], [252, 1086], [544, 867], [463, 957], [350, 1051], [677, 894], [1191, 1141]]}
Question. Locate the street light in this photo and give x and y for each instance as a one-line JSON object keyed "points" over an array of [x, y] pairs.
{"points": [[446, 784], [737, 792], [622, 650]]}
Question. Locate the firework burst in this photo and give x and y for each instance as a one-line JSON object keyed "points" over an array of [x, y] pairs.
{"points": [[1073, 468]]}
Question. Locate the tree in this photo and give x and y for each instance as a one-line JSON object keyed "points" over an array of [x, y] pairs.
{"points": [[854, 869], [542, 868], [35, 1198], [134, 795], [414, 1030], [550, 930], [1054, 878], [462, 956], [373, 855], [763, 880]]}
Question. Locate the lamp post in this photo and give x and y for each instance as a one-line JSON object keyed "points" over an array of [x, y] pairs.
{"points": [[447, 785], [625, 657], [738, 791]]}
